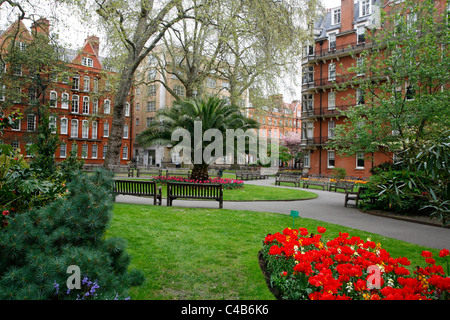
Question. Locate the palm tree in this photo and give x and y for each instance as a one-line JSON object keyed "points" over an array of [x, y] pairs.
{"points": [[213, 113]]}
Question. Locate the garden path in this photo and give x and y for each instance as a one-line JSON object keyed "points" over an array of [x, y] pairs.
{"points": [[328, 207]]}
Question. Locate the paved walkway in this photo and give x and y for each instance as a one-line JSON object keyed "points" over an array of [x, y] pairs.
{"points": [[328, 207]]}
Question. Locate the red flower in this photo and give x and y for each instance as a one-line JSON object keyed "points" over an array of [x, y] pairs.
{"points": [[321, 229], [426, 254], [444, 253], [6, 212], [430, 261]]}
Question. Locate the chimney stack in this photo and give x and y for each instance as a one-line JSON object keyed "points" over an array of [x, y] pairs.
{"points": [[95, 43], [347, 14]]}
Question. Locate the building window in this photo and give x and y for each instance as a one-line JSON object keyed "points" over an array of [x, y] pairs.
{"points": [[95, 85], [137, 121], [331, 72], [94, 129], [127, 109], [151, 90], [52, 124], [85, 105], [86, 84], [211, 83], [365, 8], [87, 62], [359, 96], [85, 129], [107, 107], [65, 101], [74, 150], [74, 128], [308, 75], [106, 129], [331, 126], [307, 159], [76, 83], [410, 92], [62, 150], [179, 90], [84, 150], [31, 122], [360, 160], [149, 121], [16, 126], [360, 66], [308, 51], [308, 102], [2, 92], [95, 106], [125, 131], [151, 106], [125, 152], [330, 158], [75, 104], [332, 41], [151, 75], [336, 16], [15, 144], [331, 100], [360, 34], [105, 150], [64, 125], [18, 70], [94, 151], [138, 106], [53, 101]]}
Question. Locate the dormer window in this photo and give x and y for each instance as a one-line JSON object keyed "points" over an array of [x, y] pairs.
{"points": [[87, 62], [364, 8], [336, 16]]}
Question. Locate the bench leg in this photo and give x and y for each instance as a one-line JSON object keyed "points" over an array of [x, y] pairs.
{"points": [[220, 204]]}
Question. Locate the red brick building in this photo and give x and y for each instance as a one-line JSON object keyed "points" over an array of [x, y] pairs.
{"points": [[79, 100]]}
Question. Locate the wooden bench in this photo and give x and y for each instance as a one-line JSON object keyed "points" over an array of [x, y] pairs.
{"points": [[122, 169], [288, 178], [177, 172], [139, 188], [148, 171], [203, 191], [354, 196], [250, 175], [343, 185], [323, 183]]}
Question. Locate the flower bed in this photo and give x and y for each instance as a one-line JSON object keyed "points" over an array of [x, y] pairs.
{"points": [[227, 183], [302, 265]]}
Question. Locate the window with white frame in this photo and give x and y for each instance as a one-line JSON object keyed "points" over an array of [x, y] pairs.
{"points": [[74, 128], [94, 151], [331, 126], [74, 149], [361, 34], [211, 83], [331, 159], [332, 41], [18, 70], [32, 96], [125, 152], [360, 160], [359, 96], [2, 92], [53, 99], [125, 131], [307, 159], [94, 129], [336, 16], [95, 85], [64, 101], [86, 84], [95, 106], [105, 150], [15, 144], [107, 106], [64, 123], [85, 105], [31, 122], [308, 74], [87, 62], [331, 72], [179, 90], [62, 150], [360, 66], [151, 90], [127, 109], [364, 9], [84, 151], [75, 104], [331, 100], [151, 75], [85, 129], [76, 83], [52, 124], [106, 129], [17, 125], [151, 106], [308, 102]]}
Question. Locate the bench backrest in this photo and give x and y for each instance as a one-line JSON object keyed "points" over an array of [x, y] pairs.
{"points": [[132, 187], [195, 190]]}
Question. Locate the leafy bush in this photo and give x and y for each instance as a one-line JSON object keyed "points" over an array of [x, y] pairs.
{"points": [[37, 247]]}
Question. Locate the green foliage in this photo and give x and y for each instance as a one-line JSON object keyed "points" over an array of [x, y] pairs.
{"points": [[37, 247], [339, 173]]}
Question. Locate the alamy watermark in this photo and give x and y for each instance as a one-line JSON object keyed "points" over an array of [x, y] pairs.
{"points": [[209, 146]]}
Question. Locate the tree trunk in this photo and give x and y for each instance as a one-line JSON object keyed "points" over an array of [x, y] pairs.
{"points": [[200, 172]]}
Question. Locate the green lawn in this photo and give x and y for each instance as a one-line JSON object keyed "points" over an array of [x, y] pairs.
{"points": [[211, 254]]}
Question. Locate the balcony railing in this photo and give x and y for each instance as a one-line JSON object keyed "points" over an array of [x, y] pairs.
{"points": [[324, 111], [337, 50], [315, 141], [325, 82]]}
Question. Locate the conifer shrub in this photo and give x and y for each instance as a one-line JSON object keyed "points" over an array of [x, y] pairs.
{"points": [[38, 246]]}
